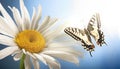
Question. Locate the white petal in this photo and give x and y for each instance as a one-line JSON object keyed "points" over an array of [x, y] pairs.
{"points": [[36, 64], [16, 52], [27, 62], [23, 50], [44, 22], [59, 54], [25, 15], [52, 63], [49, 25], [5, 40], [17, 17], [17, 56], [51, 34], [30, 54], [65, 49], [9, 19], [39, 56], [5, 33], [56, 45], [36, 18], [33, 18], [62, 39], [7, 51], [5, 27]]}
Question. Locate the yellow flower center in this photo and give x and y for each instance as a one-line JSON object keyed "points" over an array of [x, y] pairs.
{"points": [[30, 40]]}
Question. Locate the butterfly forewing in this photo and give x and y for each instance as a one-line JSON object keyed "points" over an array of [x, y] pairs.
{"points": [[72, 33], [82, 36]]}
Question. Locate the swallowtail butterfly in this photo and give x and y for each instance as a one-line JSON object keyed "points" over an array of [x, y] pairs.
{"points": [[84, 36]]}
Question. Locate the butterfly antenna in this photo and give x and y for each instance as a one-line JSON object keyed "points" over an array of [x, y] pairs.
{"points": [[90, 53]]}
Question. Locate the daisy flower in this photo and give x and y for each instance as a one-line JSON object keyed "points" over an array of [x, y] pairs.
{"points": [[29, 41]]}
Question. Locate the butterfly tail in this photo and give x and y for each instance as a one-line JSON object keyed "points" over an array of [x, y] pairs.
{"points": [[90, 53]]}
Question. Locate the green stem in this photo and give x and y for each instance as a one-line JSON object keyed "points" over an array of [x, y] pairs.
{"points": [[22, 62]]}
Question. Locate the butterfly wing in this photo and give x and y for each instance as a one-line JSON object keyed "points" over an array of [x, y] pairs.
{"points": [[94, 28], [82, 36], [101, 35]]}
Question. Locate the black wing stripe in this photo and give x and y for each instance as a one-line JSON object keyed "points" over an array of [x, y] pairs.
{"points": [[71, 31], [92, 20]]}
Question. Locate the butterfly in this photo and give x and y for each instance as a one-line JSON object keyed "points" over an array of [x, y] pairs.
{"points": [[84, 35]]}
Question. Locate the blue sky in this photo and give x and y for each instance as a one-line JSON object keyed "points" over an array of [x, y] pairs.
{"points": [[77, 13]]}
